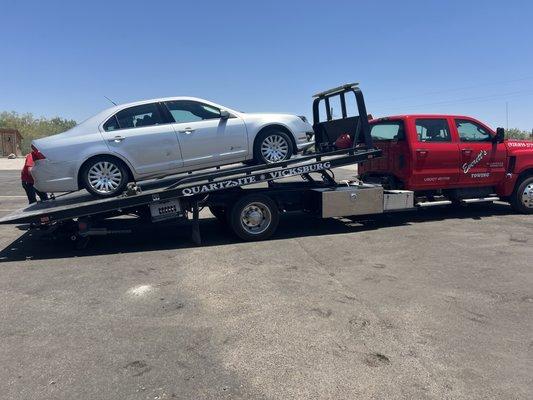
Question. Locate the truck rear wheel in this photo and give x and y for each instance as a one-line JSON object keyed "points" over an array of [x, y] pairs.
{"points": [[522, 198], [254, 217]]}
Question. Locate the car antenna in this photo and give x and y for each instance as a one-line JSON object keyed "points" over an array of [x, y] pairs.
{"points": [[110, 100]]}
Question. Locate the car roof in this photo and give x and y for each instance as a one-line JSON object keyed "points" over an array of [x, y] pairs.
{"points": [[119, 107], [408, 116]]}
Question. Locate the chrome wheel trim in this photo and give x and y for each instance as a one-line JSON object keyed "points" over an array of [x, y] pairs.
{"points": [[274, 148], [104, 177], [527, 196], [256, 218]]}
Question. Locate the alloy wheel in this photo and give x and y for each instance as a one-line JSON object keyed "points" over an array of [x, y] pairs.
{"points": [[274, 148], [104, 177]]}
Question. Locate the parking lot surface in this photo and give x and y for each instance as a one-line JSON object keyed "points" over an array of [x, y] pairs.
{"points": [[436, 304]]}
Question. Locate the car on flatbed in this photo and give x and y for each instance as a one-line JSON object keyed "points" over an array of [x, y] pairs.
{"points": [[454, 156], [160, 137]]}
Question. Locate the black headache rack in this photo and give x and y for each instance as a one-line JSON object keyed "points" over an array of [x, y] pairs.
{"points": [[193, 188], [329, 130]]}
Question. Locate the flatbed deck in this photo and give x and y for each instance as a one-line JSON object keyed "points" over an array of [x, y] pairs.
{"points": [[190, 185]]}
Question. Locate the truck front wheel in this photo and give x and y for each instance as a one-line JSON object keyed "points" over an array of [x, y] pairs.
{"points": [[254, 217], [522, 198]]}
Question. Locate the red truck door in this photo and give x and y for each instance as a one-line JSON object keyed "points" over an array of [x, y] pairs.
{"points": [[434, 153], [389, 136], [482, 159]]}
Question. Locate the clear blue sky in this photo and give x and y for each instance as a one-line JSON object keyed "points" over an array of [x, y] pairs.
{"points": [[467, 57]]}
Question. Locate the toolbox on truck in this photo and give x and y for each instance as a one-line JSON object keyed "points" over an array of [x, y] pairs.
{"points": [[349, 200]]}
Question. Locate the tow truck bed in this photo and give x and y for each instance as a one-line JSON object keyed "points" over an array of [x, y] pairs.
{"points": [[189, 186]]}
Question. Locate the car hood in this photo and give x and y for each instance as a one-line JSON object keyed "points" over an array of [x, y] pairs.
{"points": [[267, 115], [290, 120]]}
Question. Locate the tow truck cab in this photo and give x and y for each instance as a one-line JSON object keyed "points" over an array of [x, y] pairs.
{"points": [[454, 155]]}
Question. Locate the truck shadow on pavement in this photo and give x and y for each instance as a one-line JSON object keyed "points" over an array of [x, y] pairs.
{"points": [[33, 246]]}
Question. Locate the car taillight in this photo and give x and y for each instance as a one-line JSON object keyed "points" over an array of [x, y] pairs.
{"points": [[36, 154]]}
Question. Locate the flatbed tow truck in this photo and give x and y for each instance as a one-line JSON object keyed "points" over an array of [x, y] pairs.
{"points": [[249, 199]]}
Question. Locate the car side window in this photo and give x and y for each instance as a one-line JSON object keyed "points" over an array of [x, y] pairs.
{"points": [[433, 130], [387, 131], [471, 132], [111, 124], [191, 111], [135, 117]]}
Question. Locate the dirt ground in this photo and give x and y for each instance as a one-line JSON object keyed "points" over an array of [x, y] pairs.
{"points": [[436, 304]]}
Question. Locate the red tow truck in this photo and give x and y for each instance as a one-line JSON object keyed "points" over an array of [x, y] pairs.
{"points": [[450, 158]]}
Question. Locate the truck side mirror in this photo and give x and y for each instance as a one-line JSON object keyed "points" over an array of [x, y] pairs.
{"points": [[224, 114], [500, 135]]}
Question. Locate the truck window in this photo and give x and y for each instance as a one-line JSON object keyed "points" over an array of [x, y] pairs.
{"points": [[471, 132], [387, 131], [433, 130]]}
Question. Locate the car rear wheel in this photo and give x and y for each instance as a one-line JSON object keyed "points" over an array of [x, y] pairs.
{"points": [[272, 146], [522, 198], [105, 176]]}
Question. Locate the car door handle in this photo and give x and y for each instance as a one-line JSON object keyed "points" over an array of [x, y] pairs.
{"points": [[421, 153], [467, 151], [117, 139], [187, 131]]}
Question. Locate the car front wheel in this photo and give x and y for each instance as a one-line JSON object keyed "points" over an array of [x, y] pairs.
{"points": [[105, 177], [272, 146]]}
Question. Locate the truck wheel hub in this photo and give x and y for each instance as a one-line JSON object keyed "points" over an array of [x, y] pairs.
{"points": [[527, 196], [255, 218]]}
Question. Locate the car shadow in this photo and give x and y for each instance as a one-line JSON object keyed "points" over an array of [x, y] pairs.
{"points": [[33, 245]]}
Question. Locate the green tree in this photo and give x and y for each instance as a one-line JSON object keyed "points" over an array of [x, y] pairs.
{"points": [[516, 133], [33, 128]]}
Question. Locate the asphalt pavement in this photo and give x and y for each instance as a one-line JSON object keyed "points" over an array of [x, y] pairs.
{"points": [[436, 304]]}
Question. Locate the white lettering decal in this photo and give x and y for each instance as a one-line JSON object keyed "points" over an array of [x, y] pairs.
{"points": [[252, 179], [520, 144], [468, 166]]}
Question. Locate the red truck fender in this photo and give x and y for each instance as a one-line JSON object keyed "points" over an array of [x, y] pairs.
{"points": [[520, 165]]}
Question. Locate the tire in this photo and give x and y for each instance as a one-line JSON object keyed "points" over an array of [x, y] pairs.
{"points": [[522, 197], [272, 146], [220, 213], [105, 176], [254, 217]]}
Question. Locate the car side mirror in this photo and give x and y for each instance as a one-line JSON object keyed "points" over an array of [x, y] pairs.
{"points": [[500, 135], [224, 114]]}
